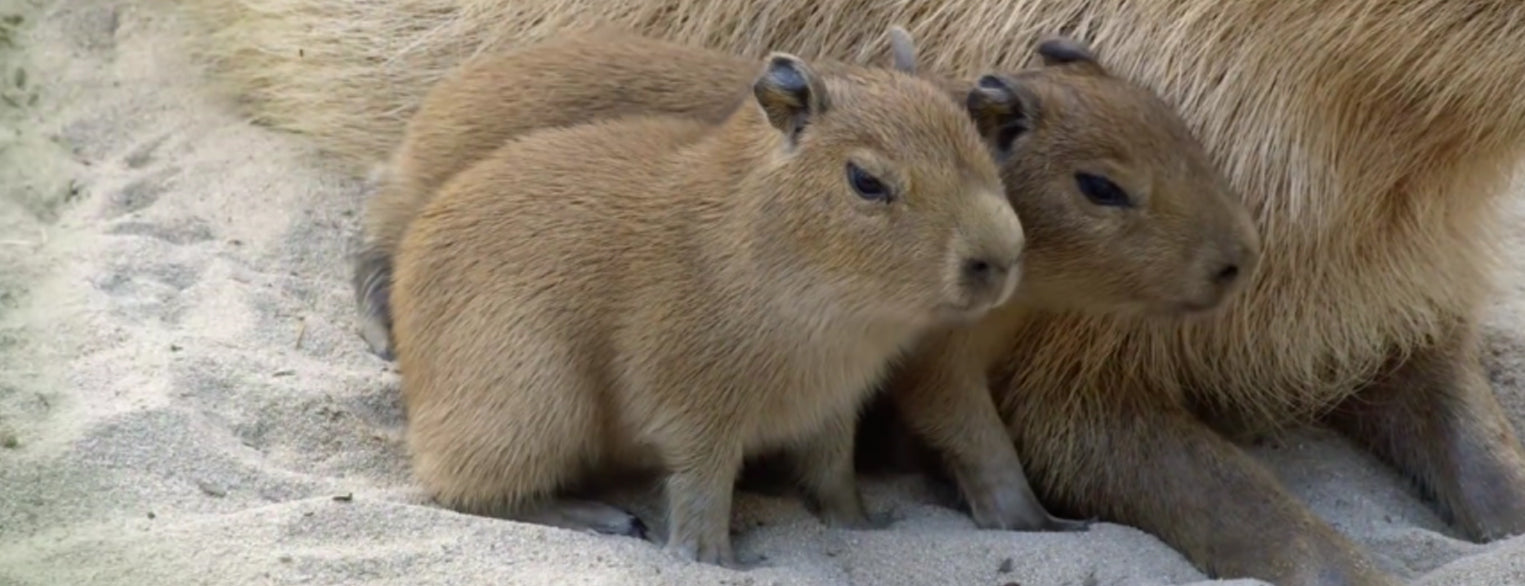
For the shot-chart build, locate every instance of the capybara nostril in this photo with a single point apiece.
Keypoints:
(1226, 275)
(977, 269)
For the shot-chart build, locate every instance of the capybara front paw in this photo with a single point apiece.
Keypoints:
(1014, 513)
(845, 515)
(859, 520)
(630, 526)
(1060, 524)
(716, 553)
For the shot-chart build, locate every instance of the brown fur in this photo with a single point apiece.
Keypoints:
(1372, 152)
(576, 78)
(1160, 254)
(663, 292)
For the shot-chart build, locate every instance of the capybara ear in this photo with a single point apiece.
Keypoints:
(902, 50)
(790, 93)
(1061, 50)
(1003, 109)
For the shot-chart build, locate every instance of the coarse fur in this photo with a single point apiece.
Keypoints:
(596, 75)
(1163, 250)
(1372, 153)
(660, 292)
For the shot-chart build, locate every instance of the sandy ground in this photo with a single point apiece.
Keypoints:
(183, 399)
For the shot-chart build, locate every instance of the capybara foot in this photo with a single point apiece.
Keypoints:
(842, 508)
(699, 507)
(1435, 417)
(1160, 469)
(717, 552)
(372, 281)
(824, 467)
(1062, 525)
(1016, 512)
(583, 515)
(999, 496)
(375, 336)
(862, 521)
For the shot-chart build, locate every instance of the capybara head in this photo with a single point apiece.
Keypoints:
(1122, 206)
(880, 187)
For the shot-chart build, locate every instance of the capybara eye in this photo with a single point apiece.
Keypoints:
(867, 186)
(1102, 191)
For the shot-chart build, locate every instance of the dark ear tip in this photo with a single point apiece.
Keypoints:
(991, 89)
(992, 82)
(779, 60)
(785, 71)
(1061, 49)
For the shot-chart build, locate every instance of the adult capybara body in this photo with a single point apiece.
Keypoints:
(1372, 140)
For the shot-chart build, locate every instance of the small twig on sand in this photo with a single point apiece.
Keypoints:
(301, 332)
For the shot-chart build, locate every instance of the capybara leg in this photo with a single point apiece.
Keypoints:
(824, 469)
(373, 288)
(1158, 468)
(954, 413)
(1435, 418)
(393, 202)
(699, 492)
(584, 515)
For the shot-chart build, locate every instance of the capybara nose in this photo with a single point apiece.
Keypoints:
(987, 275)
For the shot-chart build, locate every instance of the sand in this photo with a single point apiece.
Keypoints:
(184, 400)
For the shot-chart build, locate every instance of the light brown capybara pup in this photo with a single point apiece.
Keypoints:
(674, 294)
